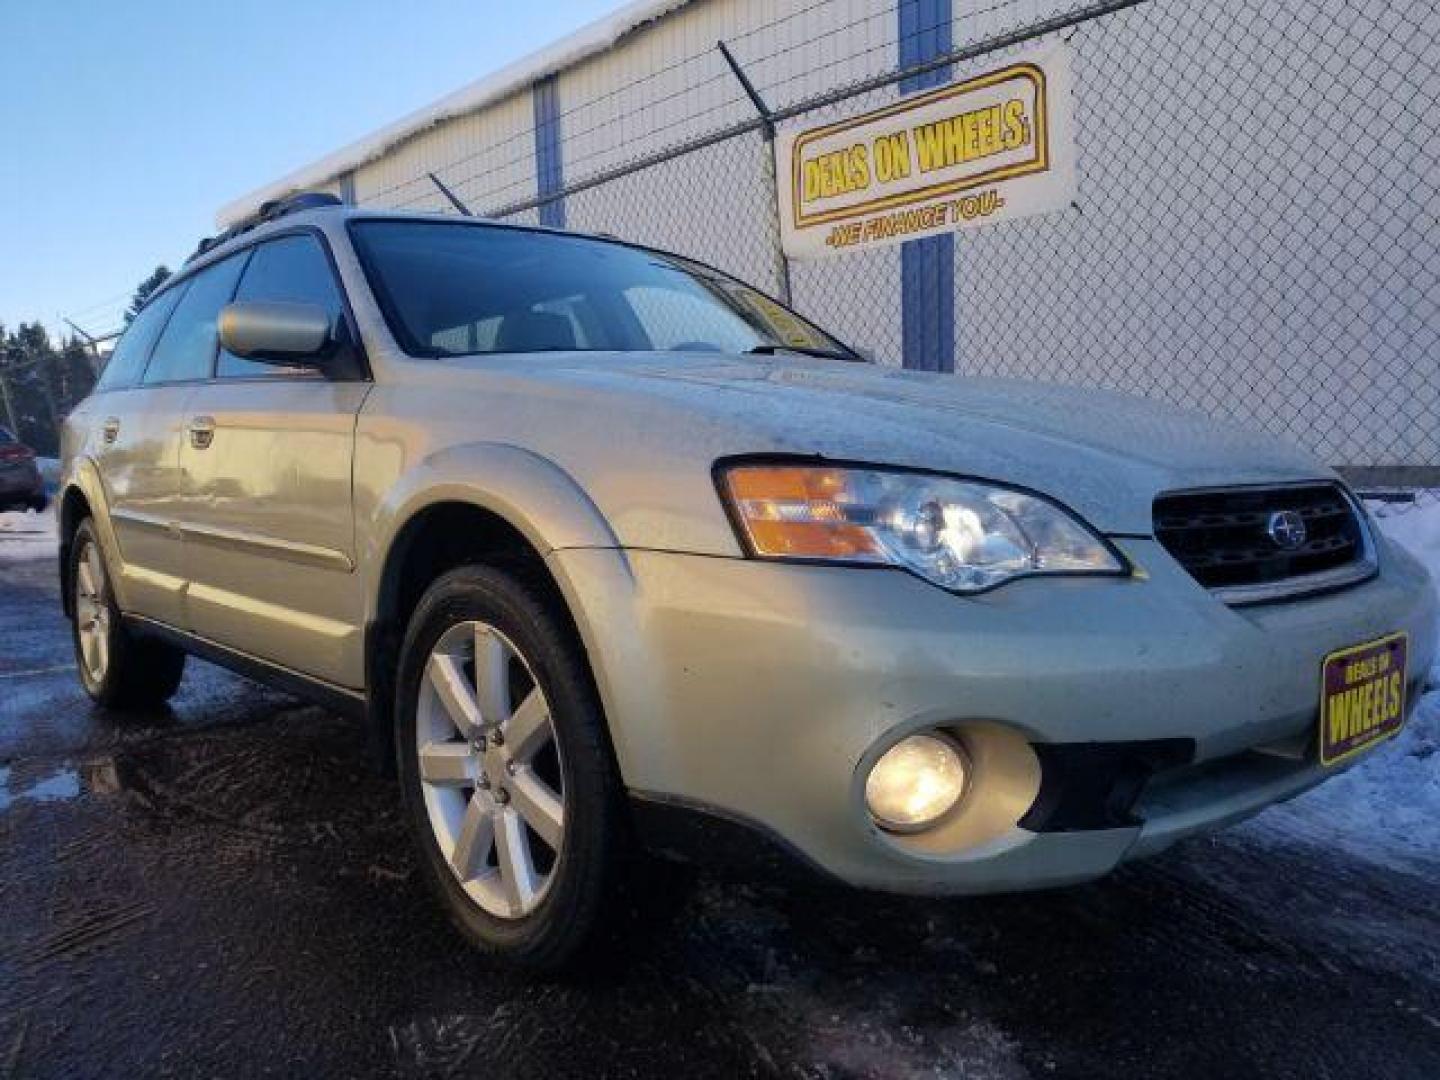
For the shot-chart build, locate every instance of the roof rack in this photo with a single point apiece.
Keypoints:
(269, 211)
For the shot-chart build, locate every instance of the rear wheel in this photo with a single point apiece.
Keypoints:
(118, 668)
(506, 774)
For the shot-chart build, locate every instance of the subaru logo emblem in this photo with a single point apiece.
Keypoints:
(1287, 529)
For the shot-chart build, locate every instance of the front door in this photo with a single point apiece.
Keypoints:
(267, 518)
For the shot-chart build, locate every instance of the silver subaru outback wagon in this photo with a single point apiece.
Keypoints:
(611, 550)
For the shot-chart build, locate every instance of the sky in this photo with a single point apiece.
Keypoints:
(125, 126)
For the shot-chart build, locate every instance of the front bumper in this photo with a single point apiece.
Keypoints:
(760, 692)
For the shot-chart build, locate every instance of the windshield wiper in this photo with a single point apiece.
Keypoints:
(806, 350)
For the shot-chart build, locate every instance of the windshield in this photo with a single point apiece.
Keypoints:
(456, 288)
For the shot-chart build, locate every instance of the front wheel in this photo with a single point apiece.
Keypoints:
(505, 770)
(117, 668)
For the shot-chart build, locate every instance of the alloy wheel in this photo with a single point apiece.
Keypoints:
(490, 769)
(92, 612)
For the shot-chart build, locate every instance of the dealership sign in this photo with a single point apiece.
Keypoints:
(992, 147)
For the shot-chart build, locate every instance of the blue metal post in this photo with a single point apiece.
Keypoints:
(927, 267)
(549, 171)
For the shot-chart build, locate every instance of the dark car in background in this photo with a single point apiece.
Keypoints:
(21, 486)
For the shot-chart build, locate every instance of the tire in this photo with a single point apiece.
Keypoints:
(118, 669)
(39, 503)
(473, 798)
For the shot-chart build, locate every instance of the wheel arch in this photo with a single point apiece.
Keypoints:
(82, 496)
(489, 503)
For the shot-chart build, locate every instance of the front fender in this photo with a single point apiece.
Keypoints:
(532, 493)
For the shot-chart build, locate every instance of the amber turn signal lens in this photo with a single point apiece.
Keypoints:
(797, 512)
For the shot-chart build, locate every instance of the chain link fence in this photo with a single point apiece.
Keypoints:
(1256, 232)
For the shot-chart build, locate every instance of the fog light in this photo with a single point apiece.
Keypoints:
(916, 783)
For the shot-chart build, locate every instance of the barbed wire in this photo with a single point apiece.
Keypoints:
(524, 137)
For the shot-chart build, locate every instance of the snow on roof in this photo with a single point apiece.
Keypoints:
(568, 51)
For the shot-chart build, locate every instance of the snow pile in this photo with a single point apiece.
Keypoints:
(28, 535)
(1387, 808)
(1417, 527)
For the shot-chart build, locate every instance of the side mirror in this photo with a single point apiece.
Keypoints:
(273, 332)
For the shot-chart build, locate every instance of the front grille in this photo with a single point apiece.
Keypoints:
(1224, 537)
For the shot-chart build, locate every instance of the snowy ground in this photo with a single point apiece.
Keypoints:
(27, 535)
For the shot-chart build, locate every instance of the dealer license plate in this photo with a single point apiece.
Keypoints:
(1362, 696)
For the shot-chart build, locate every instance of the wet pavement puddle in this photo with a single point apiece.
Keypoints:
(97, 777)
(64, 784)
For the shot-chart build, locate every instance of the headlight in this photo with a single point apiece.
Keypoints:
(963, 535)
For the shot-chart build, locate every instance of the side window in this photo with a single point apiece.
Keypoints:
(127, 360)
(673, 319)
(292, 269)
(187, 347)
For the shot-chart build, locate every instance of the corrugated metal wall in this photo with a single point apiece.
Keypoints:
(486, 156)
(1240, 242)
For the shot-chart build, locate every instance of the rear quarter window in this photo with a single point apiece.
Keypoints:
(131, 352)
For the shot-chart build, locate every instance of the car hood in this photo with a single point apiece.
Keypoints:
(608, 418)
(1104, 454)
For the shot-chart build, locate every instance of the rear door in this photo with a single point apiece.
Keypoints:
(268, 522)
(127, 454)
(140, 429)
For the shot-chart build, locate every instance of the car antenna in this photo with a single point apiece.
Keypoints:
(454, 199)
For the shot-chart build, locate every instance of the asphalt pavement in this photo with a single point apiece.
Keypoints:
(224, 888)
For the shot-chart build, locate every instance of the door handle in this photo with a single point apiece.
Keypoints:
(110, 430)
(202, 432)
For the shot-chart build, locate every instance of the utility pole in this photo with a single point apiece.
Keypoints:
(94, 344)
(9, 405)
(42, 372)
